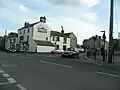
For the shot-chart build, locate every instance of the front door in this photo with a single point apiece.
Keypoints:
(64, 47)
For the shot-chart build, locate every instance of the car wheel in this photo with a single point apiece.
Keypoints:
(76, 56)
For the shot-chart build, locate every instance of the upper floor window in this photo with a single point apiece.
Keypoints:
(53, 38)
(65, 40)
(58, 38)
(27, 38)
(14, 40)
(21, 38)
(20, 31)
(28, 30)
(24, 31)
(46, 38)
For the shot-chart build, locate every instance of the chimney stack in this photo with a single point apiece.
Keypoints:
(43, 19)
(62, 31)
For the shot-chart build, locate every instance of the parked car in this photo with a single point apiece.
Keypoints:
(11, 50)
(72, 53)
(81, 50)
(59, 51)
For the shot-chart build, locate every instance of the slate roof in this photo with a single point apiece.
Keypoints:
(31, 25)
(44, 43)
(56, 33)
(67, 34)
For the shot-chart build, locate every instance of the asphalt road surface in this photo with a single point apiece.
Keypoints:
(19, 71)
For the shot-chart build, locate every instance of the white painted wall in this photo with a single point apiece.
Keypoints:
(39, 35)
(26, 33)
(30, 34)
(106, 44)
(60, 43)
(32, 46)
(7, 43)
(44, 48)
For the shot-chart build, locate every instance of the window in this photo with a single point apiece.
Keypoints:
(65, 40)
(53, 38)
(32, 31)
(27, 38)
(57, 47)
(27, 46)
(14, 40)
(46, 38)
(28, 30)
(24, 31)
(58, 38)
(21, 38)
(20, 31)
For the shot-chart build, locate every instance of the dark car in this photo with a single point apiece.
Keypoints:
(70, 53)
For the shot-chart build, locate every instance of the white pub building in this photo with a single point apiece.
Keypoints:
(38, 37)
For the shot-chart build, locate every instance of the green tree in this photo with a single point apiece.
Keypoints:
(115, 44)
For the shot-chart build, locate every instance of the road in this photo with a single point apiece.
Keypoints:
(20, 71)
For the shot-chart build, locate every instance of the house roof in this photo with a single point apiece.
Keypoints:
(56, 33)
(67, 33)
(31, 25)
(44, 43)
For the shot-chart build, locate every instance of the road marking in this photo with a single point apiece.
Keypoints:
(55, 64)
(21, 87)
(11, 80)
(1, 71)
(108, 74)
(25, 57)
(10, 65)
(5, 83)
(5, 75)
(89, 61)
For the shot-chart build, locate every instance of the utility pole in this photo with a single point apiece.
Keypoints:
(111, 31)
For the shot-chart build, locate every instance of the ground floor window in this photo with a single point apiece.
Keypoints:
(64, 47)
(57, 47)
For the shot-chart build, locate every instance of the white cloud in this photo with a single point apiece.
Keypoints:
(82, 29)
(72, 22)
(88, 3)
(90, 16)
(22, 8)
(2, 31)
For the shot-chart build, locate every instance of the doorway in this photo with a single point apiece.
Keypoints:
(64, 47)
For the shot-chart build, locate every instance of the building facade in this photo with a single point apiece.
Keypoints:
(60, 40)
(73, 39)
(11, 41)
(35, 37)
(89, 43)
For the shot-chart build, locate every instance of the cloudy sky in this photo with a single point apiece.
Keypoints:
(83, 17)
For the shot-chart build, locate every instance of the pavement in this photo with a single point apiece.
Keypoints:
(99, 59)
(19, 71)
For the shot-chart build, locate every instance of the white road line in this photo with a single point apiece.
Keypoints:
(5, 75)
(21, 87)
(11, 80)
(25, 57)
(92, 62)
(108, 74)
(55, 64)
(10, 65)
(5, 83)
(1, 71)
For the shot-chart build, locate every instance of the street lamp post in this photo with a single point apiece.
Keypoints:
(94, 38)
(104, 38)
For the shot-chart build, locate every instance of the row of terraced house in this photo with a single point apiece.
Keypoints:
(39, 37)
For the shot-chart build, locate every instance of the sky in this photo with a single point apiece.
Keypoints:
(83, 17)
